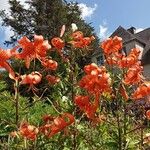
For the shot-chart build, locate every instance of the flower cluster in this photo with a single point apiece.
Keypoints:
(96, 81)
(54, 125)
(50, 127)
(30, 50)
(79, 41)
(132, 66)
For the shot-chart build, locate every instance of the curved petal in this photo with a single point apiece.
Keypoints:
(9, 69)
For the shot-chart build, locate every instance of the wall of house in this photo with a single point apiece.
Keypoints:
(147, 71)
(141, 48)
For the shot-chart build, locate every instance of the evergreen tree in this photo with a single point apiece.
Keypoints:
(43, 17)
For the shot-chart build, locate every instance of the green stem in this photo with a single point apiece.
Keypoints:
(16, 99)
(125, 125)
(119, 133)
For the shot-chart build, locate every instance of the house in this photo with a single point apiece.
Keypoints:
(132, 39)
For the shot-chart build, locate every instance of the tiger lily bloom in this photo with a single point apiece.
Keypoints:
(112, 45)
(5, 55)
(134, 74)
(131, 59)
(32, 49)
(97, 80)
(89, 108)
(148, 114)
(59, 124)
(31, 79)
(52, 79)
(28, 131)
(77, 35)
(82, 43)
(59, 44)
(49, 64)
(142, 91)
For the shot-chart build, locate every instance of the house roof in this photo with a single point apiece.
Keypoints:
(123, 33)
(127, 36)
(142, 37)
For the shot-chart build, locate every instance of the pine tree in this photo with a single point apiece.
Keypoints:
(42, 17)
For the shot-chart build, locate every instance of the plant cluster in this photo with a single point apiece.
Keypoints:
(99, 107)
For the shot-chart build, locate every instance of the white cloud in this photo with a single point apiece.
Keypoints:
(139, 30)
(86, 11)
(8, 33)
(5, 5)
(103, 31)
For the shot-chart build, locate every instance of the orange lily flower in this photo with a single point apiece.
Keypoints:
(112, 45)
(82, 43)
(31, 79)
(52, 79)
(142, 91)
(96, 81)
(49, 64)
(47, 118)
(59, 44)
(28, 131)
(5, 55)
(83, 102)
(32, 49)
(58, 125)
(130, 60)
(148, 114)
(112, 60)
(93, 69)
(79, 41)
(134, 74)
(78, 35)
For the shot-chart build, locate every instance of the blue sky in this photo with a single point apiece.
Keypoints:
(105, 15)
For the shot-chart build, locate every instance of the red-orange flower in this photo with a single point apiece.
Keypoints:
(83, 102)
(59, 44)
(134, 74)
(49, 64)
(83, 42)
(97, 79)
(52, 79)
(112, 45)
(131, 59)
(5, 55)
(93, 69)
(79, 41)
(148, 114)
(28, 131)
(33, 78)
(32, 49)
(58, 124)
(142, 91)
(47, 118)
(78, 35)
